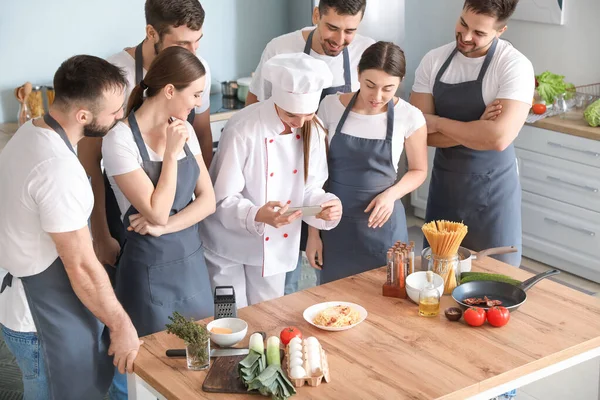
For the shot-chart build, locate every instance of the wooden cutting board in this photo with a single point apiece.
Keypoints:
(223, 376)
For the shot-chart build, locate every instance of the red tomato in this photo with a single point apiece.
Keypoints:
(289, 333)
(474, 316)
(498, 316)
(539, 108)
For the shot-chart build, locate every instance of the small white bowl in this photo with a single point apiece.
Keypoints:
(415, 282)
(238, 327)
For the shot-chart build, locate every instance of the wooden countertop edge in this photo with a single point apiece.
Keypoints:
(578, 128)
(169, 375)
(523, 370)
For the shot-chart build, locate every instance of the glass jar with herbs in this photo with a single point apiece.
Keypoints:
(196, 338)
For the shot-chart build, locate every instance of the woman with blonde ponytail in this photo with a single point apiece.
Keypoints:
(156, 170)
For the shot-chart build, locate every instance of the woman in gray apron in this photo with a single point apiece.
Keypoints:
(113, 214)
(66, 329)
(158, 274)
(291, 281)
(479, 188)
(362, 169)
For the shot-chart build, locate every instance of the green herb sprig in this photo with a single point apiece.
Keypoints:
(194, 335)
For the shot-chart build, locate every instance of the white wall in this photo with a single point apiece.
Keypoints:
(37, 35)
(572, 49)
(428, 24)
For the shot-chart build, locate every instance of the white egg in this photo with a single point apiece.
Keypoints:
(295, 362)
(296, 340)
(294, 347)
(311, 340)
(315, 366)
(314, 354)
(296, 354)
(311, 346)
(297, 372)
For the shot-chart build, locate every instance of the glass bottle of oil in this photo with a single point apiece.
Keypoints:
(429, 298)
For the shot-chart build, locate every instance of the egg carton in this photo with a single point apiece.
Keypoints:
(312, 380)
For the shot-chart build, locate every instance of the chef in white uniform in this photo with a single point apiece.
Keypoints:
(271, 156)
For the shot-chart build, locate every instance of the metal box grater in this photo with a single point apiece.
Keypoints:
(225, 302)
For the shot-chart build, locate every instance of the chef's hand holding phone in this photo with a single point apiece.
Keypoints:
(332, 210)
(177, 135)
(275, 213)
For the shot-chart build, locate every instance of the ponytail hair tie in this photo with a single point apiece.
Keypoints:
(143, 85)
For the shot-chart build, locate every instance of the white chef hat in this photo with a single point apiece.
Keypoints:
(297, 80)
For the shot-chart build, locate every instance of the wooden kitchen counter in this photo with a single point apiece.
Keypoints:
(571, 127)
(395, 354)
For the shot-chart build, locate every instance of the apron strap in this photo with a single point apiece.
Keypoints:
(187, 151)
(137, 136)
(340, 124)
(139, 63)
(488, 60)
(139, 141)
(345, 55)
(52, 123)
(6, 282)
(445, 66)
(308, 44)
(390, 120)
(347, 75)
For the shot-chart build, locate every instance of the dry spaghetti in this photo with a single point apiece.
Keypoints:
(444, 238)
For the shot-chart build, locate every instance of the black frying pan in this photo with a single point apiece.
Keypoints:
(511, 296)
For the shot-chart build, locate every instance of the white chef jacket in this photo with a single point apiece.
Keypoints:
(256, 164)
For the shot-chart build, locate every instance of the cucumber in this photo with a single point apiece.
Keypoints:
(482, 276)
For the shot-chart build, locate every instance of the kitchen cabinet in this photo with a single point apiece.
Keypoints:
(418, 197)
(216, 128)
(560, 180)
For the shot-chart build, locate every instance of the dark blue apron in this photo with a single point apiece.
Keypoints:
(345, 88)
(479, 188)
(359, 170)
(74, 342)
(159, 275)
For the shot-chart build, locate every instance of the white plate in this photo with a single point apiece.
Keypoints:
(311, 313)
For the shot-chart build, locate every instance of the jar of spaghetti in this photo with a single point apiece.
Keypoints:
(447, 268)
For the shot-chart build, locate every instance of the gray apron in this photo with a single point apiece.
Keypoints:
(359, 170)
(345, 88)
(479, 188)
(75, 343)
(159, 275)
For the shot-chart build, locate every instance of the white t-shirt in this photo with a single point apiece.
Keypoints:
(407, 119)
(121, 155)
(125, 61)
(509, 76)
(294, 43)
(44, 189)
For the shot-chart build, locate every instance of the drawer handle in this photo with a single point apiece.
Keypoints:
(558, 180)
(562, 146)
(584, 231)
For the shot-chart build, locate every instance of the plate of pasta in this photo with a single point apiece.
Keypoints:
(335, 315)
